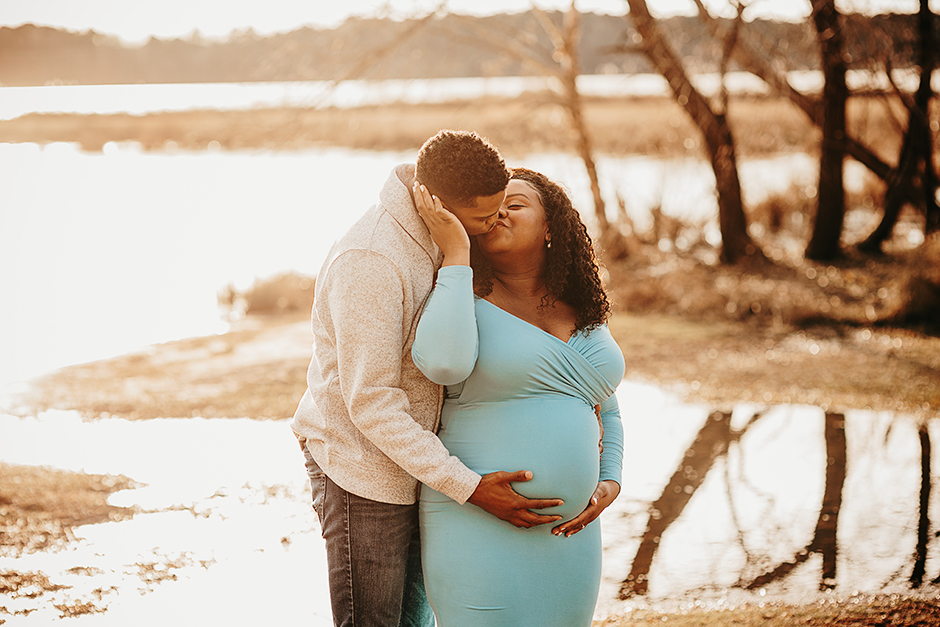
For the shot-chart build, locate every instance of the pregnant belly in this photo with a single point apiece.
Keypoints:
(555, 438)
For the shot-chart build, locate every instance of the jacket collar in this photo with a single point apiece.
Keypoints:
(397, 200)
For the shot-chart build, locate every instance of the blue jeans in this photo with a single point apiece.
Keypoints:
(373, 553)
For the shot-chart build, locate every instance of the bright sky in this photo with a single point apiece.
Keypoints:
(137, 20)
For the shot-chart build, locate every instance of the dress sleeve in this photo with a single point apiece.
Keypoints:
(446, 343)
(612, 457)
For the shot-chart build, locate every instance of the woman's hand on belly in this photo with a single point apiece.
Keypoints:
(603, 496)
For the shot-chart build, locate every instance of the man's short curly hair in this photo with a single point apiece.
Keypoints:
(572, 273)
(459, 166)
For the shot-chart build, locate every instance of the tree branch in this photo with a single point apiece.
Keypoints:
(757, 62)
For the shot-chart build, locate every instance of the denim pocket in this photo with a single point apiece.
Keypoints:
(317, 480)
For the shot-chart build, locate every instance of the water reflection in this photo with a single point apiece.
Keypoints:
(783, 502)
(758, 503)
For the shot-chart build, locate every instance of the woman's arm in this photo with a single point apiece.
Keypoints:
(612, 456)
(446, 342)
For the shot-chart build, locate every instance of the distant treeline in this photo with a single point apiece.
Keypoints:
(441, 47)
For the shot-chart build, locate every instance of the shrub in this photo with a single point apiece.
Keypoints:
(282, 293)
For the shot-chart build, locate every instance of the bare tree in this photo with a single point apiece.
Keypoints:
(759, 61)
(736, 243)
(915, 159)
(830, 209)
(565, 39)
(915, 170)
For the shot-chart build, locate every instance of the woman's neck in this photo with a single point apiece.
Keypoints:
(520, 285)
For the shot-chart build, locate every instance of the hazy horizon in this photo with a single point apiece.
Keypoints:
(218, 19)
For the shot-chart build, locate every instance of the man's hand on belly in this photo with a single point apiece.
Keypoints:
(496, 496)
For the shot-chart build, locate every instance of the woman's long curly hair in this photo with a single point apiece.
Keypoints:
(572, 274)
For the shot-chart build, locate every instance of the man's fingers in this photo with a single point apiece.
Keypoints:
(542, 503)
(538, 503)
(519, 475)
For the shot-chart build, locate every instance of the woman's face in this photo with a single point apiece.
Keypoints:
(523, 228)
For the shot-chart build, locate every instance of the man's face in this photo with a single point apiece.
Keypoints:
(480, 217)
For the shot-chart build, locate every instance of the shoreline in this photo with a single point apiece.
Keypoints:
(531, 123)
(257, 369)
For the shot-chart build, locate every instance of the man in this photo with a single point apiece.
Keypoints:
(368, 419)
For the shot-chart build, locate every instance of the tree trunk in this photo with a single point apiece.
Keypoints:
(570, 69)
(830, 210)
(897, 192)
(928, 63)
(736, 243)
(915, 162)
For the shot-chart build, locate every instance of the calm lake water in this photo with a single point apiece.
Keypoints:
(15, 101)
(147, 98)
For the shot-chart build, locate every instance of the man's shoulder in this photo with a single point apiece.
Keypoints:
(377, 231)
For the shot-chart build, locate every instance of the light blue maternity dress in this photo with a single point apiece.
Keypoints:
(517, 398)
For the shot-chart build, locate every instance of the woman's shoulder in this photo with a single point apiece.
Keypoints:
(599, 333)
(595, 342)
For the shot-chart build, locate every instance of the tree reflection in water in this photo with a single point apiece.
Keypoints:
(713, 442)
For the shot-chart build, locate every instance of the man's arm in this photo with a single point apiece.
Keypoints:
(365, 295)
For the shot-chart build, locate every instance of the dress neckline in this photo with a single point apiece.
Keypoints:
(526, 322)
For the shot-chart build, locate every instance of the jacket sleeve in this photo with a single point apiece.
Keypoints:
(365, 295)
(446, 343)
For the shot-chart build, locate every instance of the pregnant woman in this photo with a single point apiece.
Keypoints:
(521, 343)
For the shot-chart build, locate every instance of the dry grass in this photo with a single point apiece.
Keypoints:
(531, 123)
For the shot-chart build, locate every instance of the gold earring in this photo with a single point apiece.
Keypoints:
(549, 244)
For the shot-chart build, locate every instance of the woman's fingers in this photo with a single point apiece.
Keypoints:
(575, 525)
(446, 230)
(423, 201)
(430, 206)
(582, 520)
(604, 495)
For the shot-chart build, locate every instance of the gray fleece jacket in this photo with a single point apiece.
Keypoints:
(369, 416)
